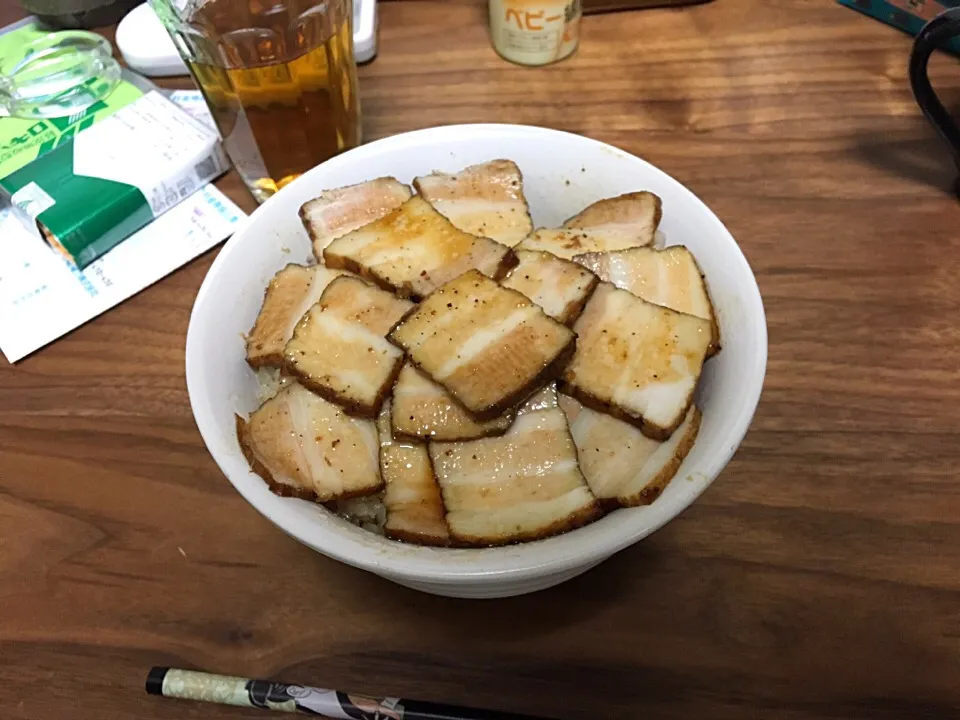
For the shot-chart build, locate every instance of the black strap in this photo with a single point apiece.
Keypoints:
(934, 35)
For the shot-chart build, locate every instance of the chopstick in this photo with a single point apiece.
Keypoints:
(267, 695)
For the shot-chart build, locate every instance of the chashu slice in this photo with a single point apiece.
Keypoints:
(415, 511)
(560, 287)
(632, 217)
(489, 346)
(523, 485)
(567, 243)
(424, 410)
(339, 349)
(668, 277)
(341, 210)
(637, 361)
(622, 465)
(289, 295)
(414, 250)
(306, 447)
(485, 200)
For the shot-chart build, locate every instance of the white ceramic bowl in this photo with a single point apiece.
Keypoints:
(562, 173)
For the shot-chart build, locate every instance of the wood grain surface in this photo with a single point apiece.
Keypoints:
(818, 578)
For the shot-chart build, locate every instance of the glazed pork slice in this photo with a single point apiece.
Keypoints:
(424, 410)
(339, 349)
(632, 217)
(668, 277)
(415, 511)
(567, 243)
(523, 485)
(341, 210)
(637, 361)
(289, 295)
(414, 250)
(622, 465)
(560, 287)
(485, 200)
(306, 447)
(488, 346)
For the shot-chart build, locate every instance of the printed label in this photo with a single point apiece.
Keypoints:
(192, 103)
(153, 146)
(42, 296)
(535, 32)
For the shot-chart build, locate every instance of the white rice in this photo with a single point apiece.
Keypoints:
(271, 382)
(368, 512)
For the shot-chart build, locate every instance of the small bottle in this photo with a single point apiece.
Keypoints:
(535, 32)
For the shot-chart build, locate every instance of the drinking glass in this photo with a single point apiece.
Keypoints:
(279, 77)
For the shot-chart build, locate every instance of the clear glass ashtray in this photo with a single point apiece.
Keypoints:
(59, 74)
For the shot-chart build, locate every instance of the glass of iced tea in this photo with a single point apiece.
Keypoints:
(279, 78)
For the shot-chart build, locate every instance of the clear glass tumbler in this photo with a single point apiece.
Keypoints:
(279, 77)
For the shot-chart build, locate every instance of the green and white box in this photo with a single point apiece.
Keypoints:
(91, 193)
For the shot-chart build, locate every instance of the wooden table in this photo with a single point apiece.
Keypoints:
(818, 578)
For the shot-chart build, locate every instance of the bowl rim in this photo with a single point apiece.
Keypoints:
(540, 558)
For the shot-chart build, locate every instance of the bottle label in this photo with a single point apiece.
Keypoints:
(535, 32)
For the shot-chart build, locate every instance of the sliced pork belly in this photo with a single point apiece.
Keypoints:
(424, 410)
(339, 348)
(566, 243)
(485, 200)
(632, 217)
(636, 360)
(415, 511)
(560, 287)
(622, 465)
(668, 277)
(414, 250)
(289, 295)
(306, 447)
(336, 212)
(489, 346)
(523, 485)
